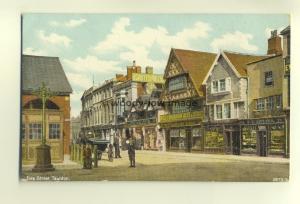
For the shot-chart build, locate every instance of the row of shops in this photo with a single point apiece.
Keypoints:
(262, 137)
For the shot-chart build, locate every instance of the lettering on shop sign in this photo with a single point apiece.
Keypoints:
(181, 116)
(263, 121)
(150, 78)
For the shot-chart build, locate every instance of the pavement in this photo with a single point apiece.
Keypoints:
(172, 166)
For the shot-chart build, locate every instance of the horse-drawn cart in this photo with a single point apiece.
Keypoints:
(101, 144)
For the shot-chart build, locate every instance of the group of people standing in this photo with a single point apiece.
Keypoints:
(87, 152)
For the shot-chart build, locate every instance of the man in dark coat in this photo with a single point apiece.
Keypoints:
(117, 147)
(131, 151)
(88, 157)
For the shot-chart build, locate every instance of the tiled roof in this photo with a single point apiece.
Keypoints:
(39, 69)
(196, 63)
(240, 61)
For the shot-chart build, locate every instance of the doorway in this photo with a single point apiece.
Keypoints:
(236, 143)
(262, 143)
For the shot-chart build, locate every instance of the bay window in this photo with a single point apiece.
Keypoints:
(227, 113)
(177, 83)
(219, 111)
(221, 85)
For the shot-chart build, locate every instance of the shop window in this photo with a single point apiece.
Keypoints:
(248, 140)
(219, 111)
(196, 138)
(54, 131)
(177, 137)
(35, 131)
(214, 139)
(177, 83)
(277, 145)
(227, 112)
(269, 78)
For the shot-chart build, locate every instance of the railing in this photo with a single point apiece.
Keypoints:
(182, 116)
(77, 153)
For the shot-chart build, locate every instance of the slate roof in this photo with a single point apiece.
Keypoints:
(196, 63)
(38, 69)
(240, 60)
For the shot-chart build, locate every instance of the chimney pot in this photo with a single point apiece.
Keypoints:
(133, 63)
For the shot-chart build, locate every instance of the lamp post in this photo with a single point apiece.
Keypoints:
(43, 156)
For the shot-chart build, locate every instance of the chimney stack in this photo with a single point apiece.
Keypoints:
(133, 63)
(129, 73)
(274, 44)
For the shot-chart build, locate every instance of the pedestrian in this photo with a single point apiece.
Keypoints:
(131, 151)
(88, 157)
(110, 152)
(84, 158)
(95, 153)
(117, 147)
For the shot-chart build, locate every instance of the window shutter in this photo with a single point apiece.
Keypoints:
(228, 84)
(211, 87)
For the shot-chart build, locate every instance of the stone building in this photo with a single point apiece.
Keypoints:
(266, 132)
(97, 113)
(184, 99)
(143, 115)
(129, 89)
(226, 101)
(35, 71)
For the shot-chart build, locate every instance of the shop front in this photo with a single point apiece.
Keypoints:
(222, 137)
(264, 137)
(183, 131)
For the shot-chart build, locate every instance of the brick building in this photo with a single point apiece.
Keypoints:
(35, 71)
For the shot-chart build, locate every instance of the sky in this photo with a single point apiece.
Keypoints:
(98, 46)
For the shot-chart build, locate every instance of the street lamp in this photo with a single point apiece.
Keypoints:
(43, 156)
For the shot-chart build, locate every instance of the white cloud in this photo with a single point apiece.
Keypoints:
(140, 55)
(75, 103)
(32, 51)
(135, 45)
(54, 38)
(54, 23)
(120, 37)
(79, 80)
(92, 64)
(74, 23)
(70, 24)
(236, 41)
